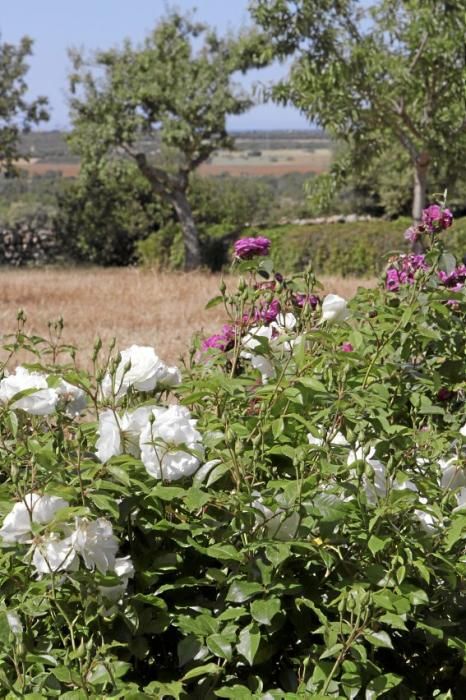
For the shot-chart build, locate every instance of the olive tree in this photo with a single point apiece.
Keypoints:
(17, 113)
(171, 94)
(376, 74)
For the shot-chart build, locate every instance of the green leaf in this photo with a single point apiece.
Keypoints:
(263, 611)
(376, 544)
(378, 639)
(219, 646)
(382, 684)
(205, 670)
(215, 301)
(249, 640)
(224, 552)
(240, 591)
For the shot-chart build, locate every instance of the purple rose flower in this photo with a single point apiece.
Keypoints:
(301, 300)
(247, 248)
(392, 282)
(267, 312)
(412, 234)
(445, 394)
(220, 341)
(437, 219)
(455, 280)
(346, 347)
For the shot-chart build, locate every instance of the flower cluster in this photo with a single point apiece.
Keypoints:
(435, 219)
(165, 439)
(56, 545)
(403, 269)
(221, 341)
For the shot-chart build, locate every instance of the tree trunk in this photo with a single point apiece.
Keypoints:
(421, 166)
(184, 214)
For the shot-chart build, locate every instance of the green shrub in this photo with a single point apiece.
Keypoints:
(361, 248)
(103, 215)
(288, 523)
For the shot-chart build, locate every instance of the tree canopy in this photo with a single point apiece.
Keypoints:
(375, 74)
(17, 113)
(179, 86)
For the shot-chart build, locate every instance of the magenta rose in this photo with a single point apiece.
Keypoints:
(247, 248)
(436, 219)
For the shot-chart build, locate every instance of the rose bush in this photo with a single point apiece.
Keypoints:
(287, 522)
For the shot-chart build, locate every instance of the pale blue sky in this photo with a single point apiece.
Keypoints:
(56, 25)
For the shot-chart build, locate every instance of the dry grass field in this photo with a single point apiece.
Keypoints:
(134, 305)
(238, 163)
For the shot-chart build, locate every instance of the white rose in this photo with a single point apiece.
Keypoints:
(124, 569)
(334, 309)
(461, 498)
(34, 508)
(72, 397)
(145, 372)
(277, 526)
(95, 542)
(120, 434)
(159, 442)
(41, 402)
(14, 623)
(453, 475)
(253, 340)
(380, 485)
(338, 440)
(52, 553)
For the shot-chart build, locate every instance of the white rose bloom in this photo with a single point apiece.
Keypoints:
(34, 508)
(14, 623)
(338, 440)
(52, 554)
(41, 402)
(125, 570)
(73, 397)
(285, 322)
(145, 373)
(461, 498)
(120, 434)
(95, 542)
(463, 430)
(172, 427)
(277, 526)
(381, 484)
(265, 367)
(168, 377)
(453, 475)
(334, 309)
(252, 341)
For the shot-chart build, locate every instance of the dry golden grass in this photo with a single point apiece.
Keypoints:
(134, 305)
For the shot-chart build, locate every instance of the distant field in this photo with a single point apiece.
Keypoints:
(270, 161)
(134, 305)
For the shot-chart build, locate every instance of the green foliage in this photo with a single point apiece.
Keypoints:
(376, 76)
(16, 112)
(167, 86)
(360, 249)
(102, 217)
(307, 539)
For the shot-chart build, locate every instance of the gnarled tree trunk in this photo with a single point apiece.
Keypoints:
(421, 167)
(192, 248)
